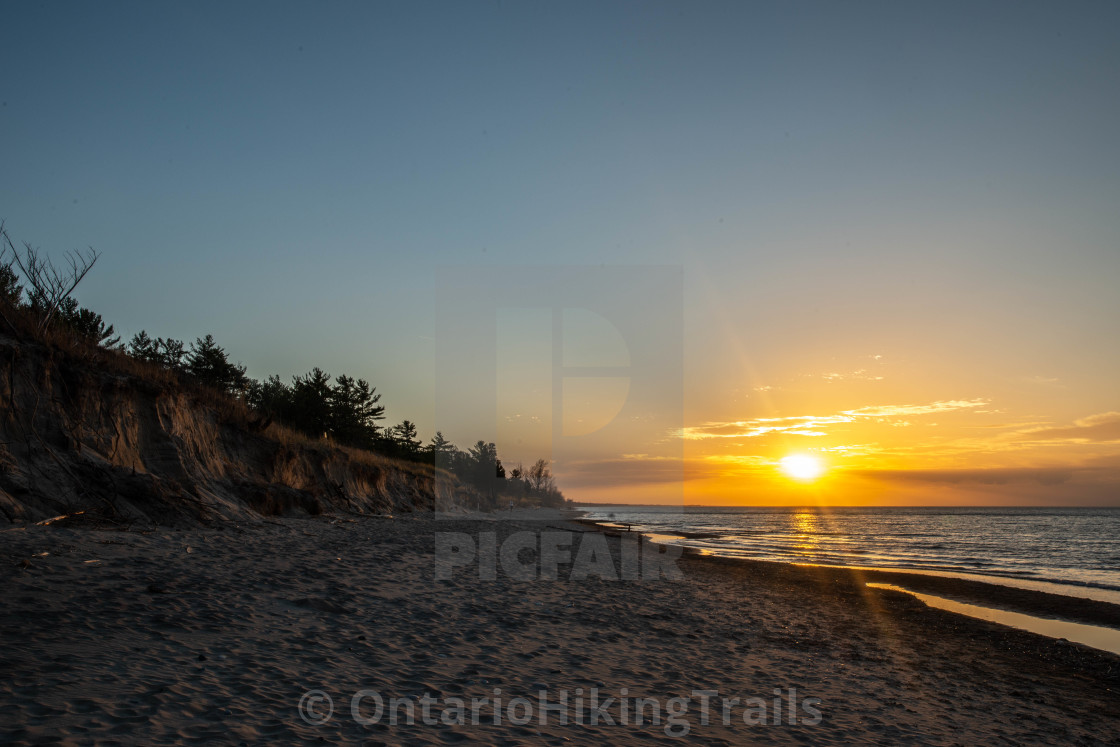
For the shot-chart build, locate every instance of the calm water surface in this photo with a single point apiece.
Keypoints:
(1077, 548)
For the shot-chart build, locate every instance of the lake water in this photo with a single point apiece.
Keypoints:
(1077, 549)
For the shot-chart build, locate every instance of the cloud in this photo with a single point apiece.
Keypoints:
(861, 374)
(1005, 426)
(628, 469)
(761, 426)
(1040, 486)
(812, 425)
(1100, 428)
(853, 449)
(892, 411)
(741, 460)
(996, 476)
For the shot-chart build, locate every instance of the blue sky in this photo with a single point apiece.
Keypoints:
(837, 180)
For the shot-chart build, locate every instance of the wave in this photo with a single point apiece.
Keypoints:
(1069, 547)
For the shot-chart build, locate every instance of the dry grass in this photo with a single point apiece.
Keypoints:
(65, 348)
(22, 325)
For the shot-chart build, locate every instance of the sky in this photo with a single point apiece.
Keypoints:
(893, 226)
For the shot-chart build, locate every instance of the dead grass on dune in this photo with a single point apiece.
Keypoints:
(61, 347)
(290, 437)
(65, 347)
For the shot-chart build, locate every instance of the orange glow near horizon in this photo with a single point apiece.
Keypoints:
(805, 449)
(907, 426)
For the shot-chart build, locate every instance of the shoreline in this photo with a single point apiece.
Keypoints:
(1041, 604)
(184, 636)
(983, 589)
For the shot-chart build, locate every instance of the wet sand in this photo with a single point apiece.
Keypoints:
(217, 635)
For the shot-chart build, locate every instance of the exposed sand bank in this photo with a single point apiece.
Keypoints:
(96, 431)
(216, 635)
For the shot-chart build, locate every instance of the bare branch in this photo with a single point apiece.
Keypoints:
(50, 287)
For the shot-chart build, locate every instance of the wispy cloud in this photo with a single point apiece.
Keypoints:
(1007, 476)
(742, 460)
(1040, 486)
(894, 411)
(862, 374)
(815, 425)
(762, 426)
(1103, 427)
(852, 449)
(1042, 380)
(1009, 426)
(626, 469)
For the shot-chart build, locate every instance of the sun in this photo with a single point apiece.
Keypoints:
(802, 467)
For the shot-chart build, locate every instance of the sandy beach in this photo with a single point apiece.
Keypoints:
(239, 635)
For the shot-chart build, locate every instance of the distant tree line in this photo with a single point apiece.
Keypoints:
(346, 410)
(481, 467)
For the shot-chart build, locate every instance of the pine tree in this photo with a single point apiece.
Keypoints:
(311, 403)
(86, 324)
(484, 466)
(355, 412)
(271, 397)
(207, 361)
(171, 353)
(144, 348)
(405, 437)
(441, 450)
